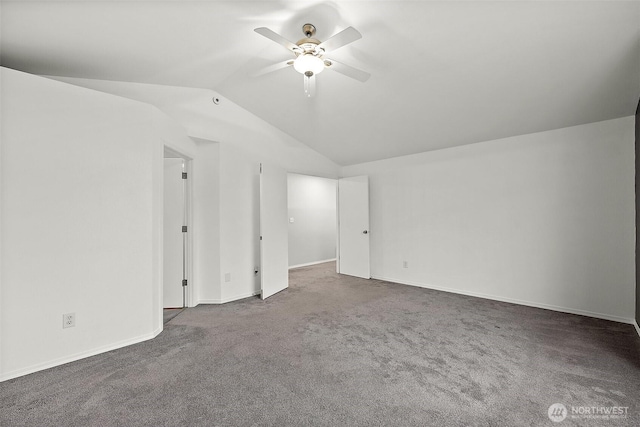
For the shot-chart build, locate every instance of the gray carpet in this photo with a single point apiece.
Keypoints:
(335, 350)
(170, 313)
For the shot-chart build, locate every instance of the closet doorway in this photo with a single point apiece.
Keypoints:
(175, 283)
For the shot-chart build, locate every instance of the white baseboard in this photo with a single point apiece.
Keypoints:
(229, 299)
(514, 301)
(311, 263)
(635, 323)
(63, 360)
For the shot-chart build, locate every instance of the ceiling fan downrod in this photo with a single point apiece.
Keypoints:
(309, 30)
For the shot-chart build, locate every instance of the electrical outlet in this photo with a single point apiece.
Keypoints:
(68, 320)
(227, 277)
(405, 264)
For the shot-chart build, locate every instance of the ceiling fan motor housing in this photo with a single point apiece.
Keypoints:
(309, 46)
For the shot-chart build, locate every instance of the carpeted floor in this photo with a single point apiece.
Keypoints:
(340, 351)
(170, 313)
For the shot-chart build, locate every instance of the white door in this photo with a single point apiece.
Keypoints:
(274, 241)
(353, 226)
(172, 237)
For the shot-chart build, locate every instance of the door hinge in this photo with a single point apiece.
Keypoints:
(184, 282)
(184, 228)
(184, 175)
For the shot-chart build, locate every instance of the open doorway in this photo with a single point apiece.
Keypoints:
(176, 259)
(312, 220)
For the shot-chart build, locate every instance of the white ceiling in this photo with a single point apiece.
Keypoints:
(443, 73)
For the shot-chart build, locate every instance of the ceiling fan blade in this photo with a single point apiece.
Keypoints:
(347, 70)
(310, 85)
(264, 31)
(344, 37)
(274, 67)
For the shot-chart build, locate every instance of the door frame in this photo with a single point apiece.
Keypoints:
(337, 218)
(170, 152)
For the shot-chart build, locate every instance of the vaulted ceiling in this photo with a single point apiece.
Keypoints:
(443, 73)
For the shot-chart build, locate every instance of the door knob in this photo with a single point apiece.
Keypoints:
(365, 232)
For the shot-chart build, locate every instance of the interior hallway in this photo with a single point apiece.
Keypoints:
(337, 350)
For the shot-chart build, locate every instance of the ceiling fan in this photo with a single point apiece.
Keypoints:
(310, 55)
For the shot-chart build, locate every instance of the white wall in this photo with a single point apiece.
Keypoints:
(240, 218)
(545, 219)
(81, 230)
(239, 223)
(206, 227)
(243, 142)
(92, 163)
(312, 205)
(226, 122)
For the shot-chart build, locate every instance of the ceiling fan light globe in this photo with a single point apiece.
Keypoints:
(308, 62)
